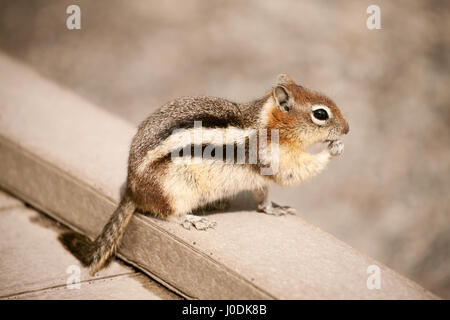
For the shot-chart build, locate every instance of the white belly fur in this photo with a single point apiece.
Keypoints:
(192, 185)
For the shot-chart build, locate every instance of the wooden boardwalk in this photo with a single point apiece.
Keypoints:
(34, 265)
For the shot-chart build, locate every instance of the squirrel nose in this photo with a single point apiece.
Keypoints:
(346, 128)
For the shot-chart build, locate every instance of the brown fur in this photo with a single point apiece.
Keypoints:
(109, 239)
(289, 123)
(146, 191)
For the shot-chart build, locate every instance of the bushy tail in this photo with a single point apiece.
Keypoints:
(97, 253)
(108, 241)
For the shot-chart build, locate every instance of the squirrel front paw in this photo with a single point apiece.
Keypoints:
(336, 148)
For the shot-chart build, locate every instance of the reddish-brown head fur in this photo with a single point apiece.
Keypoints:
(291, 111)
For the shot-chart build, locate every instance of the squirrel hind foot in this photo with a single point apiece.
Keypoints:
(276, 210)
(199, 223)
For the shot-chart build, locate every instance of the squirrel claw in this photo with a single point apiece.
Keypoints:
(276, 210)
(198, 223)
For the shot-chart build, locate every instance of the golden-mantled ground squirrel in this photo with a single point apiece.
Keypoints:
(270, 134)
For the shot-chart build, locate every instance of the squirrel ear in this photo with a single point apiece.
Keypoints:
(281, 95)
(284, 79)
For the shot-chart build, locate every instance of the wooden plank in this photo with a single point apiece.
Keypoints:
(32, 257)
(34, 264)
(125, 287)
(68, 158)
(7, 201)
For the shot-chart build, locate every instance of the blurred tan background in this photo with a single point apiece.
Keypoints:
(388, 196)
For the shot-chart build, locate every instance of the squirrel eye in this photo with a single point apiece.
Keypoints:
(320, 114)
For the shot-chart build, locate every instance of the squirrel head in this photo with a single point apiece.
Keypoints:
(302, 116)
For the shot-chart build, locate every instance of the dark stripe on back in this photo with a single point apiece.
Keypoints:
(208, 121)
